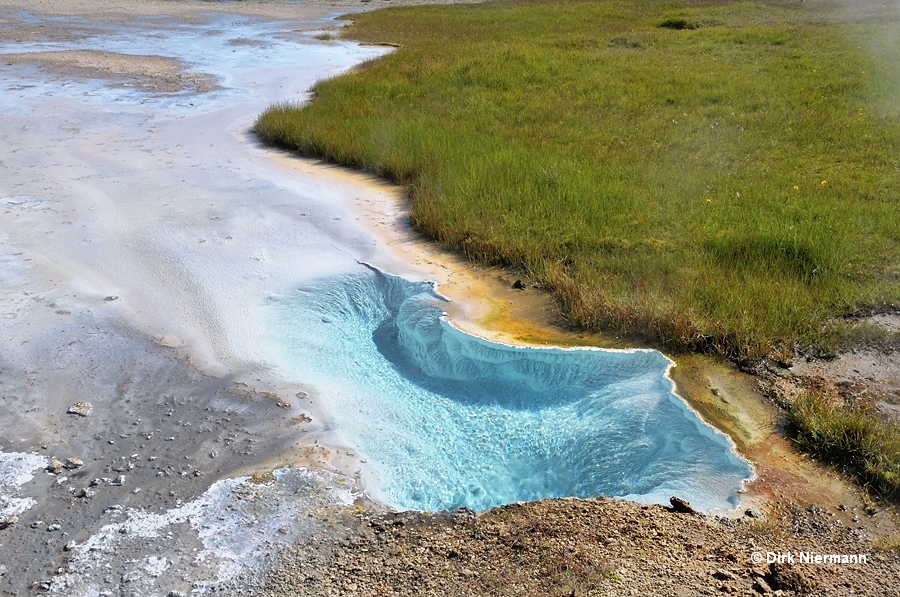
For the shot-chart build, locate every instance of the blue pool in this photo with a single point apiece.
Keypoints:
(447, 419)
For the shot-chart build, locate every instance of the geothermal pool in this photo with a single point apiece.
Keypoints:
(451, 420)
(156, 211)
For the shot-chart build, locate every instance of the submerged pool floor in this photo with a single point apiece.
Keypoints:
(447, 419)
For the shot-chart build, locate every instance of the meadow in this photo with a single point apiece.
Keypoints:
(715, 176)
(711, 176)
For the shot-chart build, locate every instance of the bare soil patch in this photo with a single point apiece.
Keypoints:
(156, 73)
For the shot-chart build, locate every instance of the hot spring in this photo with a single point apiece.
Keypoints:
(446, 419)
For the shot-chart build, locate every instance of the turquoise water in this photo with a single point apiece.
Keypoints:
(447, 419)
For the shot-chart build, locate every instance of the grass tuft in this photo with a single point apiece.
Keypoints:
(678, 23)
(850, 437)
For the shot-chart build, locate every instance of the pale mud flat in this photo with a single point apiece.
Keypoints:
(142, 230)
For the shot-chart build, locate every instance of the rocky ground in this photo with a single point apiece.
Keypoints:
(586, 547)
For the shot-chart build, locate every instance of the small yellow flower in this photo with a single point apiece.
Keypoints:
(796, 188)
(823, 183)
(708, 199)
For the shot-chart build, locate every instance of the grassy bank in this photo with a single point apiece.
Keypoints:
(713, 176)
(859, 441)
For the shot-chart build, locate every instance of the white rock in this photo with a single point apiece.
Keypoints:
(80, 408)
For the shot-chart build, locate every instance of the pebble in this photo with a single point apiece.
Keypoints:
(80, 408)
(55, 467)
(73, 463)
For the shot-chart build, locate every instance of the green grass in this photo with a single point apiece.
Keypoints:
(851, 437)
(713, 176)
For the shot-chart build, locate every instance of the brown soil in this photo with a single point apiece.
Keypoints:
(583, 547)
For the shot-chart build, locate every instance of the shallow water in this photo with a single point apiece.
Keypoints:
(450, 420)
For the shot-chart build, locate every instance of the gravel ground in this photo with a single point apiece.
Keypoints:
(585, 547)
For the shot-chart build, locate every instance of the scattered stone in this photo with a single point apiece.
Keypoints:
(751, 513)
(2, 570)
(118, 481)
(73, 463)
(85, 493)
(111, 298)
(721, 574)
(95, 482)
(53, 527)
(761, 586)
(681, 506)
(80, 408)
(55, 467)
(37, 524)
(70, 546)
(8, 521)
(518, 285)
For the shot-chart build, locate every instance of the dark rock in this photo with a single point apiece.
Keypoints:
(790, 578)
(518, 285)
(681, 506)
(8, 521)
